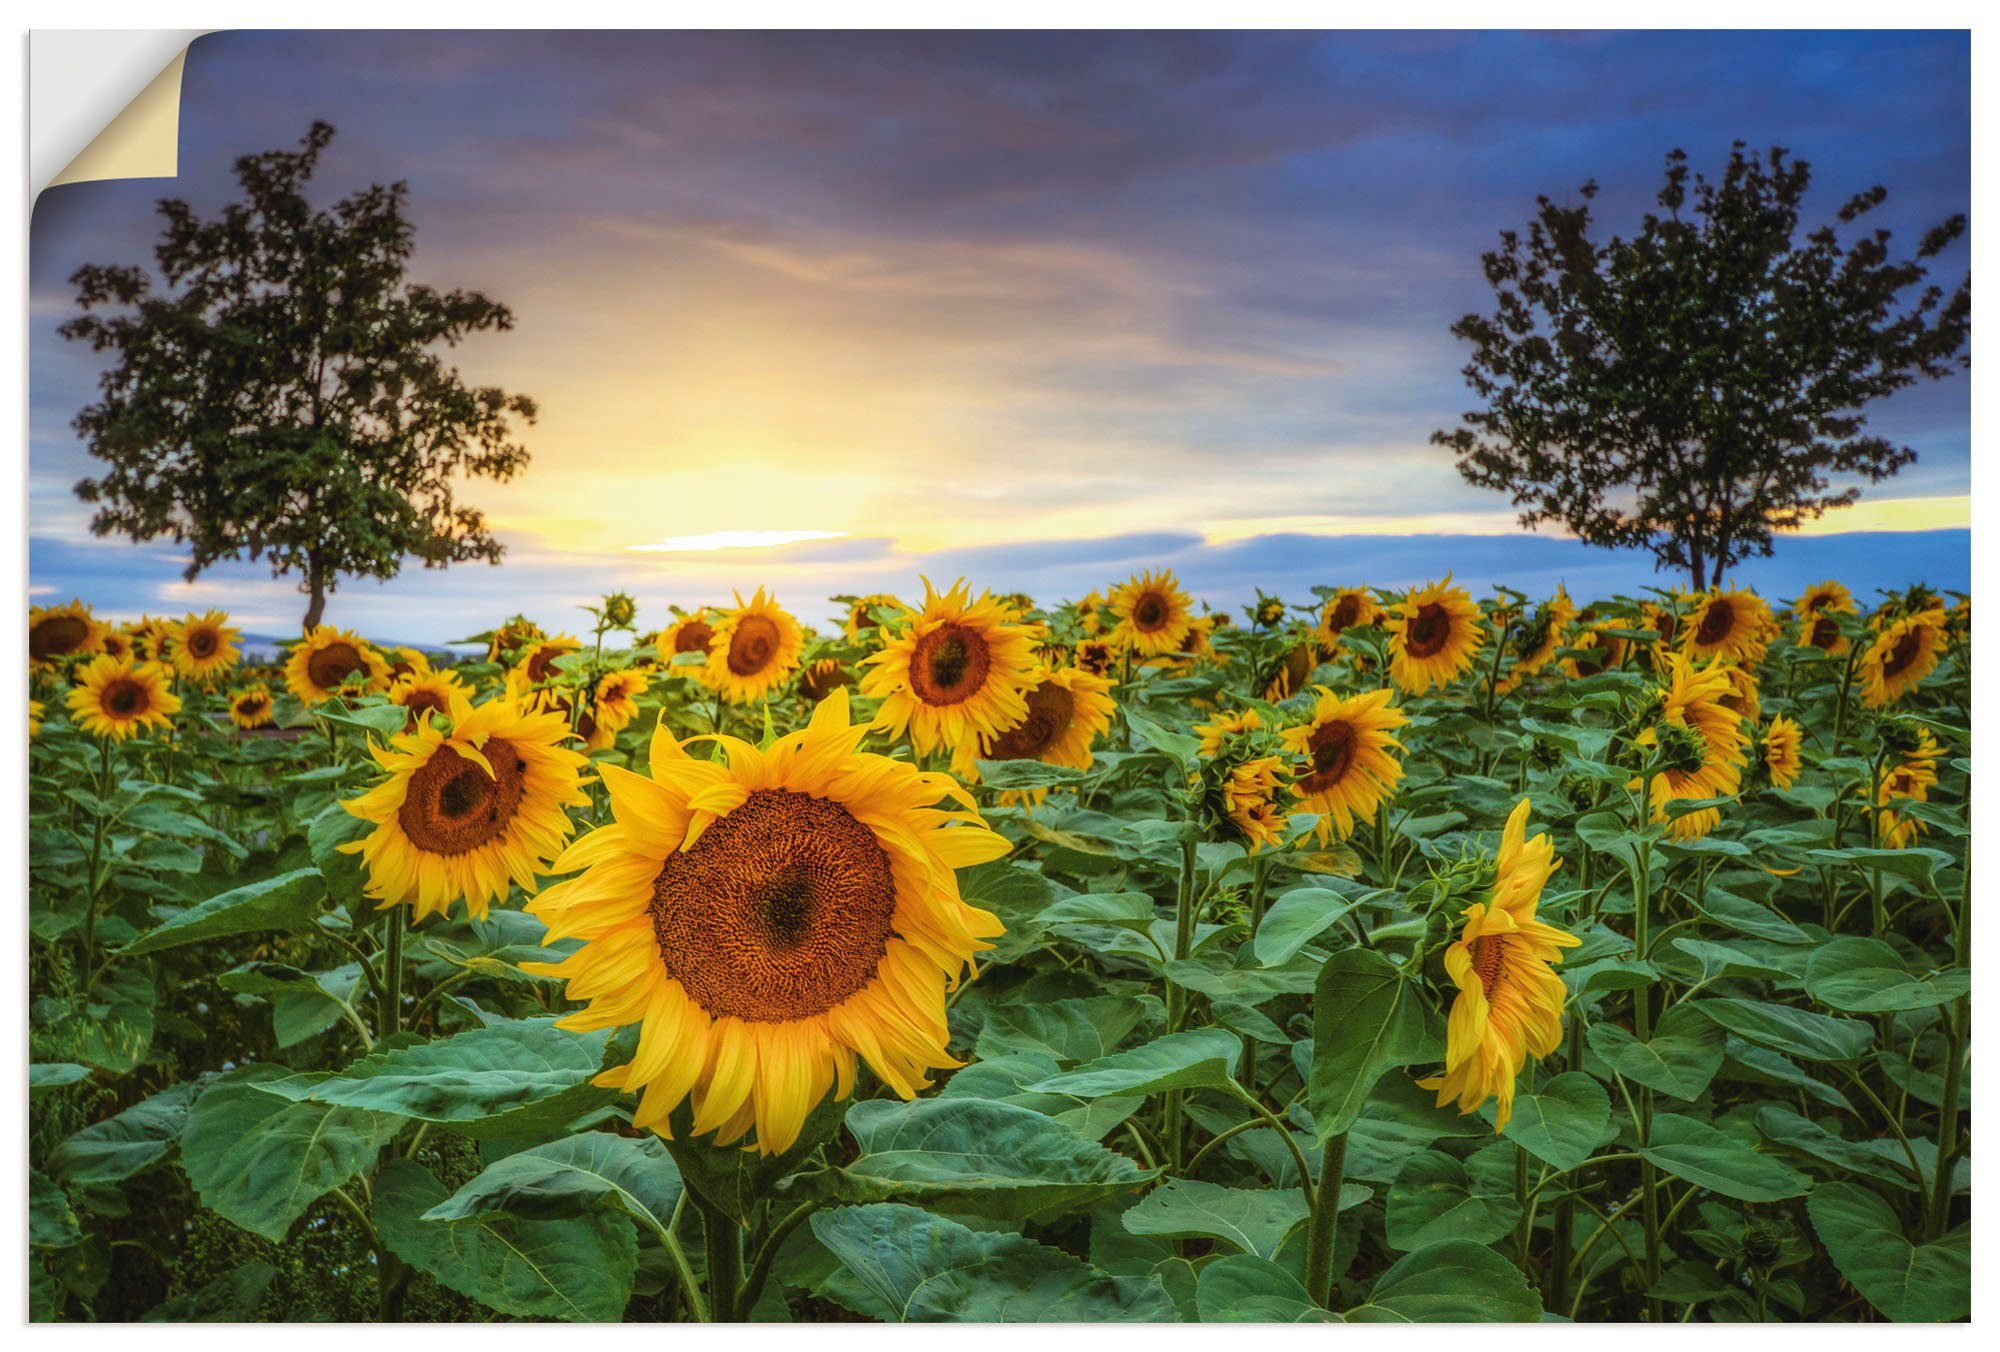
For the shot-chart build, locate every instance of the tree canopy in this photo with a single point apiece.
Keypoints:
(280, 392)
(1700, 385)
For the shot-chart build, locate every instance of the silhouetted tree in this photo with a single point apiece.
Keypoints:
(282, 396)
(1696, 387)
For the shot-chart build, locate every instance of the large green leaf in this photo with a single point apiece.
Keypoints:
(46, 1076)
(110, 1028)
(1069, 1030)
(739, 1181)
(1907, 1282)
(1251, 1220)
(1867, 976)
(260, 1161)
(1883, 1161)
(1699, 1154)
(590, 1171)
(1299, 917)
(231, 1298)
(133, 1141)
(579, 1267)
(52, 1219)
(1799, 1032)
(1239, 1288)
(1367, 1020)
(1198, 1059)
(290, 901)
(1457, 1281)
(925, 1267)
(1436, 1197)
(1562, 1121)
(1679, 1059)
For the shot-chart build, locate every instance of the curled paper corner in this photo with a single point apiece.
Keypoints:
(143, 141)
(105, 103)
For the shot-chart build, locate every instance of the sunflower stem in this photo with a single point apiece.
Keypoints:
(1177, 996)
(724, 1241)
(1325, 1221)
(391, 1021)
(1939, 1211)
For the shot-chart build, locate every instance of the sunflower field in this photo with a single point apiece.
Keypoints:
(1364, 955)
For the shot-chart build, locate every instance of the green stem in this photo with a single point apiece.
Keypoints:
(1325, 1220)
(1954, 1065)
(725, 1261)
(670, 1240)
(767, 1253)
(1177, 1000)
(391, 1020)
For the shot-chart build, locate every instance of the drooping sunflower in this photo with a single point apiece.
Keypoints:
(1348, 763)
(250, 707)
(1348, 608)
(1434, 634)
(1250, 794)
(1268, 611)
(1224, 726)
(754, 648)
(324, 659)
(768, 920)
(613, 706)
(1535, 641)
(1905, 652)
(57, 632)
(1742, 696)
(204, 646)
(116, 698)
(822, 678)
(1510, 1000)
(1067, 711)
(1703, 738)
(1815, 609)
(1611, 650)
(1734, 625)
(517, 632)
(1781, 746)
(1151, 614)
(1909, 778)
(957, 672)
(430, 691)
(1289, 671)
(465, 813)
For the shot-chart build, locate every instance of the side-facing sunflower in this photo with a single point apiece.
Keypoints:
(1224, 726)
(408, 662)
(1348, 608)
(1250, 796)
(1510, 1000)
(1067, 711)
(518, 632)
(1906, 651)
(861, 623)
(250, 707)
(613, 706)
(767, 920)
(115, 699)
(1742, 696)
(430, 691)
(323, 660)
(204, 646)
(955, 673)
(1702, 739)
(1348, 759)
(1734, 625)
(754, 648)
(1610, 650)
(1288, 672)
(1434, 634)
(1151, 614)
(150, 638)
(1781, 747)
(57, 632)
(1816, 609)
(1535, 640)
(465, 813)
(822, 678)
(1909, 778)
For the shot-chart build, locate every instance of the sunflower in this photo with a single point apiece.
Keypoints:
(1816, 608)
(1224, 726)
(1734, 625)
(57, 632)
(1346, 609)
(1433, 636)
(1611, 650)
(250, 707)
(437, 692)
(1910, 778)
(204, 646)
(1781, 746)
(1090, 614)
(322, 661)
(538, 659)
(1268, 611)
(1096, 656)
(114, 698)
(1742, 696)
(1535, 642)
(150, 638)
(1288, 673)
(116, 643)
(767, 920)
(1152, 614)
(465, 813)
(861, 615)
(1510, 1000)
(755, 647)
(1067, 711)
(958, 671)
(1902, 655)
(408, 662)
(693, 632)
(822, 678)
(35, 711)
(1702, 739)
(1250, 799)
(517, 632)
(613, 706)
(1348, 758)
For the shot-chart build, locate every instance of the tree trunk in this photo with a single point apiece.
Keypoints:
(316, 589)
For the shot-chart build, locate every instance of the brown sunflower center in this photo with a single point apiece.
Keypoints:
(125, 698)
(57, 636)
(1332, 747)
(543, 662)
(452, 806)
(1050, 708)
(1489, 960)
(822, 679)
(331, 665)
(1344, 613)
(1717, 622)
(1825, 632)
(1426, 635)
(419, 700)
(202, 643)
(780, 911)
(250, 706)
(1094, 658)
(949, 665)
(694, 637)
(753, 644)
(1903, 655)
(1151, 612)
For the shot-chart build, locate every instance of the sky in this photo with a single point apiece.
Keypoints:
(827, 312)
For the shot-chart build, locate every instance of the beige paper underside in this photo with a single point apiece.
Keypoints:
(143, 141)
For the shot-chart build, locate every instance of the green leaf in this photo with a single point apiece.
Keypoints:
(1562, 1121)
(1367, 1020)
(1867, 976)
(736, 1180)
(925, 1267)
(288, 902)
(1679, 1059)
(577, 1175)
(978, 1157)
(1436, 1197)
(1299, 917)
(379, 721)
(260, 1162)
(1782, 1126)
(1181, 748)
(1699, 1154)
(577, 1268)
(1799, 1032)
(1252, 1220)
(133, 1141)
(52, 1220)
(231, 1298)
(1907, 1282)
(1239, 1288)
(1198, 1059)
(1069, 1030)
(1453, 1282)
(1024, 774)
(111, 1027)
(1917, 863)
(44, 1076)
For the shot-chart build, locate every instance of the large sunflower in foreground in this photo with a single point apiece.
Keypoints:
(465, 813)
(116, 698)
(1780, 748)
(767, 920)
(754, 648)
(1434, 634)
(1816, 609)
(1151, 614)
(1734, 625)
(1348, 753)
(1702, 740)
(1909, 778)
(1067, 710)
(323, 660)
(56, 632)
(1510, 1000)
(1905, 652)
(958, 672)
(250, 707)
(204, 646)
